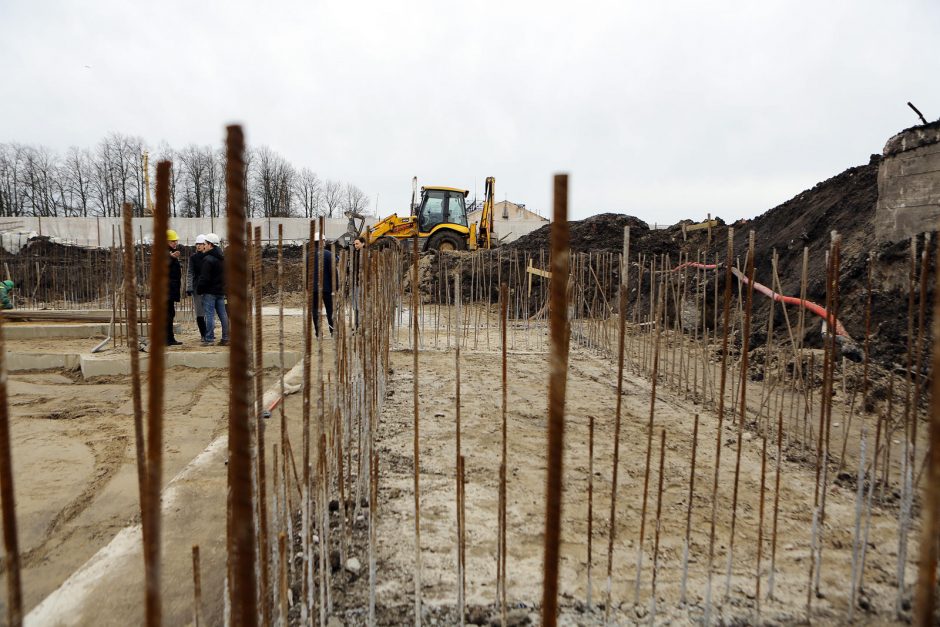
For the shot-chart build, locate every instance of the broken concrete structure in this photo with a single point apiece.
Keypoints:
(909, 184)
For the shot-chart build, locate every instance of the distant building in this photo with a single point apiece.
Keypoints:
(510, 221)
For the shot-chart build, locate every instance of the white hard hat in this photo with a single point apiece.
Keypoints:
(200, 239)
(213, 239)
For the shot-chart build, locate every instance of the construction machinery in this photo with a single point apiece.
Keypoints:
(439, 221)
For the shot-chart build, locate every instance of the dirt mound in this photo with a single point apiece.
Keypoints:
(600, 233)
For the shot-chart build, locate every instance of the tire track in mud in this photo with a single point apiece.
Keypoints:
(110, 443)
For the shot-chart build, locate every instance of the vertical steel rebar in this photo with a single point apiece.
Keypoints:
(159, 281)
(558, 372)
(244, 601)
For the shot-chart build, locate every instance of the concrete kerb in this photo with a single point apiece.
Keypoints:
(101, 366)
(68, 605)
(96, 366)
(21, 331)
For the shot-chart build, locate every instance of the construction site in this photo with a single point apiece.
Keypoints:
(596, 423)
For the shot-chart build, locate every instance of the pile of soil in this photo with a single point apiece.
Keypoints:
(844, 203)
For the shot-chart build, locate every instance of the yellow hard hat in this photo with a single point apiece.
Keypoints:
(171, 236)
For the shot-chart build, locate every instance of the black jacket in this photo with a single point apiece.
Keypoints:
(192, 275)
(212, 273)
(175, 277)
(328, 270)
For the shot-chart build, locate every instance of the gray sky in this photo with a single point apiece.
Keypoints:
(664, 110)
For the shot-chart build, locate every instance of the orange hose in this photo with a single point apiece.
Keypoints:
(780, 298)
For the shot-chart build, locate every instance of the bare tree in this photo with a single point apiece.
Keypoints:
(354, 200)
(332, 198)
(12, 194)
(307, 192)
(194, 164)
(272, 183)
(78, 175)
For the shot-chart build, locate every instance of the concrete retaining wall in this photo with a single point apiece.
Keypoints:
(909, 184)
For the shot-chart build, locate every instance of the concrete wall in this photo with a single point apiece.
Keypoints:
(98, 231)
(909, 184)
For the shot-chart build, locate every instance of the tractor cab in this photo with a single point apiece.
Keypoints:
(441, 205)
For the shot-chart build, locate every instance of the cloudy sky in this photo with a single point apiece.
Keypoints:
(664, 110)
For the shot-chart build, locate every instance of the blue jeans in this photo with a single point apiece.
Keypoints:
(215, 303)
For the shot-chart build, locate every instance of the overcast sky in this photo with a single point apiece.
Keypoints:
(664, 110)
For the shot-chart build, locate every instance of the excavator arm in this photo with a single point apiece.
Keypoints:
(486, 218)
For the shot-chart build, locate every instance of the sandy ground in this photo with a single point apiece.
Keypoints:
(592, 392)
(76, 488)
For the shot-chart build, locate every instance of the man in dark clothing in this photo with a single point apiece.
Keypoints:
(327, 287)
(192, 277)
(174, 282)
(211, 286)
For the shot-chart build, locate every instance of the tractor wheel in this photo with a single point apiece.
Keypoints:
(446, 242)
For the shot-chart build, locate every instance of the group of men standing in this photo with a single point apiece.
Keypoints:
(205, 284)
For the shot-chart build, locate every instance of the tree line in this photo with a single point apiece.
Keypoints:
(36, 181)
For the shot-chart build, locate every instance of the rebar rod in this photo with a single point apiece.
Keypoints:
(11, 543)
(244, 602)
(158, 320)
(721, 416)
(558, 371)
(612, 529)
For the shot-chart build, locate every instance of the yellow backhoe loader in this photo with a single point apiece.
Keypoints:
(439, 221)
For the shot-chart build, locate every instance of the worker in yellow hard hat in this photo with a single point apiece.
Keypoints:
(174, 284)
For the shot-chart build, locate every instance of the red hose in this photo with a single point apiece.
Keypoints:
(780, 298)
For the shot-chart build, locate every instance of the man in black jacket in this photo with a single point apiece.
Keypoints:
(175, 279)
(326, 290)
(211, 286)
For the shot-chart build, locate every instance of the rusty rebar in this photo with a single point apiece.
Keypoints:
(590, 512)
(721, 417)
(417, 432)
(197, 588)
(612, 530)
(688, 515)
(558, 372)
(159, 272)
(745, 341)
(658, 528)
(501, 576)
(130, 302)
(244, 602)
(7, 497)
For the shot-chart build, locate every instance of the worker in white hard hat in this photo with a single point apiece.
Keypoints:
(175, 277)
(211, 285)
(192, 277)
